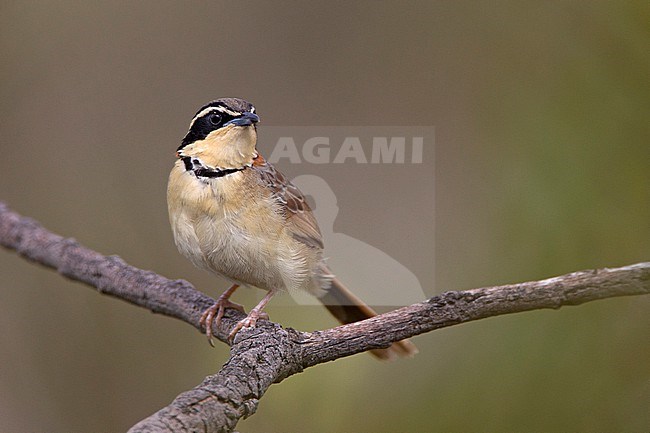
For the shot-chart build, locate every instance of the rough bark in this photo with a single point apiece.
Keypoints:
(269, 353)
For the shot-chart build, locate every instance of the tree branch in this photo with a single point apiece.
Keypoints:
(269, 353)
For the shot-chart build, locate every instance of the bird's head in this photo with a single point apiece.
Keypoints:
(222, 134)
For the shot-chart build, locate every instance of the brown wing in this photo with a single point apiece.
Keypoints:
(296, 211)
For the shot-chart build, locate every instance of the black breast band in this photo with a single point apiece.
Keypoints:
(199, 170)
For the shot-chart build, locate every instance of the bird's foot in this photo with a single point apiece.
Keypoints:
(215, 314)
(249, 322)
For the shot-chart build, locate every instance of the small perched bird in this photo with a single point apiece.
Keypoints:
(232, 213)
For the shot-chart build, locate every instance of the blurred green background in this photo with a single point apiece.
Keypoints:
(542, 154)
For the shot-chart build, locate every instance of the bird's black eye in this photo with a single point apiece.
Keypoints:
(215, 119)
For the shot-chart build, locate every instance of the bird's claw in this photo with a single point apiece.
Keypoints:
(214, 314)
(248, 322)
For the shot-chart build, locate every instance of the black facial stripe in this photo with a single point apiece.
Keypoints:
(202, 127)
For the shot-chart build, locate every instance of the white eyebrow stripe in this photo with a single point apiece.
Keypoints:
(201, 114)
(211, 109)
(227, 111)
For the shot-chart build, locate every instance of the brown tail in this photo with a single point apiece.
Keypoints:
(348, 308)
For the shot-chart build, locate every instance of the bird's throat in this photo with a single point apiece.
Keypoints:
(230, 147)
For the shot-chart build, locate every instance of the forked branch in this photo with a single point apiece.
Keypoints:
(269, 353)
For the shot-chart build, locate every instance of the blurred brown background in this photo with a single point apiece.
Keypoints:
(542, 151)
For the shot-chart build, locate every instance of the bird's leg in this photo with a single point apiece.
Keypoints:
(219, 308)
(255, 314)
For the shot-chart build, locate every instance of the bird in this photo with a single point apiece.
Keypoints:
(234, 214)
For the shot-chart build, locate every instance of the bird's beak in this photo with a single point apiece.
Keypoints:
(246, 119)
